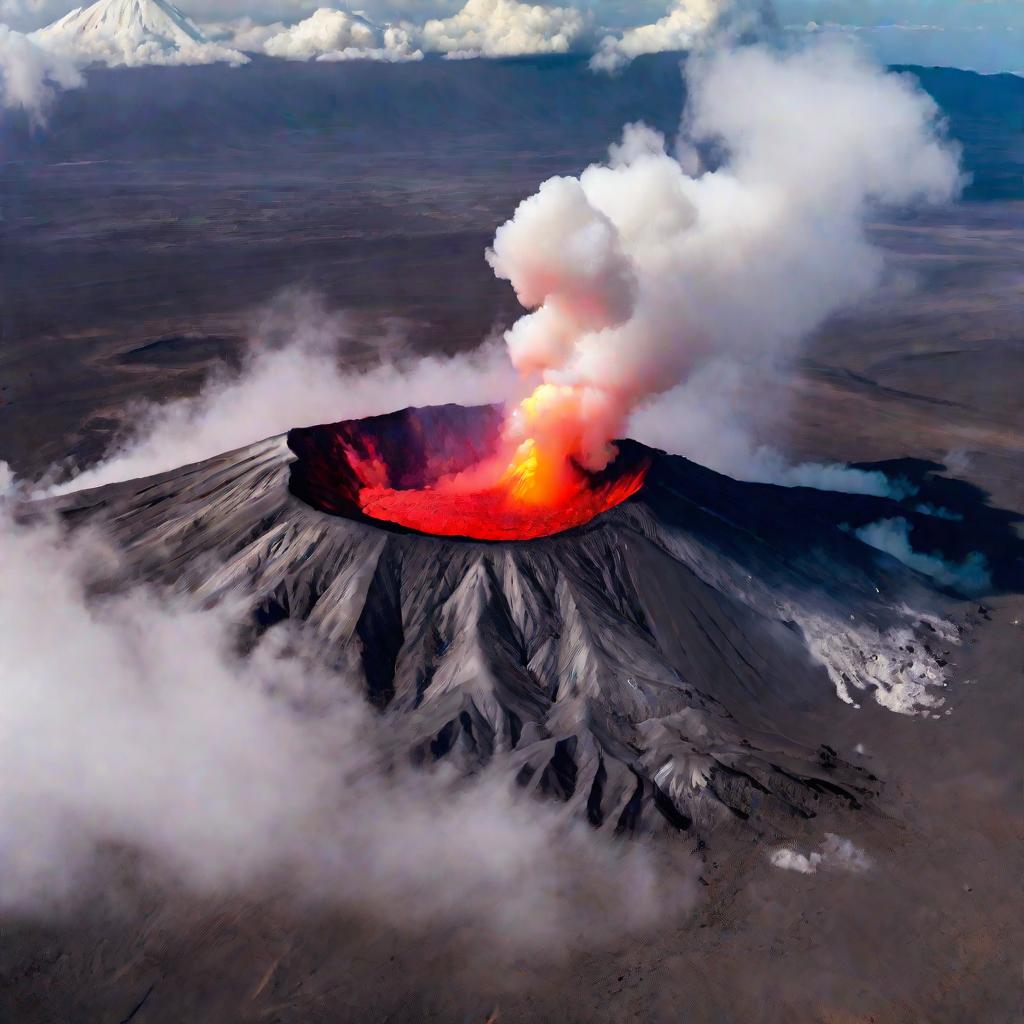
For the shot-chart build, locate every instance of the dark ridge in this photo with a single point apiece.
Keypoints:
(595, 815)
(629, 819)
(663, 802)
(559, 776)
(381, 634)
(770, 512)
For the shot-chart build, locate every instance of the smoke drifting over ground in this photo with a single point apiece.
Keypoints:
(133, 722)
(893, 537)
(712, 418)
(647, 269)
(836, 852)
(291, 377)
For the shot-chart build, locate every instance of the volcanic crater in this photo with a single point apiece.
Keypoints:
(403, 470)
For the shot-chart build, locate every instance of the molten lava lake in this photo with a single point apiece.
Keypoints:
(396, 469)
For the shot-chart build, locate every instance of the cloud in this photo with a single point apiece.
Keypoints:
(686, 22)
(291, 377)
(31, 76)
(500, 28)
(335, 35)
(836, 853)
(243, 33)
(893, 537)
(131, 722)
(482, 28)
(687, 25)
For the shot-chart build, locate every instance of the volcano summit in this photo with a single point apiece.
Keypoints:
(675, 660)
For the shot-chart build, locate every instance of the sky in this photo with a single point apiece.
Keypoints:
(983, 35)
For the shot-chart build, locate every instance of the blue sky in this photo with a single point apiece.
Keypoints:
(985, 35)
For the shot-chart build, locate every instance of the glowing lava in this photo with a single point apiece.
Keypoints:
(435, 471)
(495, 514)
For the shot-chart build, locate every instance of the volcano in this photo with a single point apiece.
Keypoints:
(672, 654)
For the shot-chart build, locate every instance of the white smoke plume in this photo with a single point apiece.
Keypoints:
(501, 28)
(291, 377)
(31, 76)
(836, 852)
(893, 537)
(645, 269)
(131, 722)
(334, 35)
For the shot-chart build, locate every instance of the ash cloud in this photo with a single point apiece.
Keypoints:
(131, 722)
(892, 536)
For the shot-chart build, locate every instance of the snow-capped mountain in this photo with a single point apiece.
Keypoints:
(133, 32)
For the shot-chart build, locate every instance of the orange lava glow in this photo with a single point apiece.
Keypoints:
(496, 513)
(457, 472)
(540, 491)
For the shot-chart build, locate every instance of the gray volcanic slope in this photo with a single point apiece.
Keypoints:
(673, 664)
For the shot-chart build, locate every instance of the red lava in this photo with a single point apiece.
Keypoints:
(494, 514)
(414, 469)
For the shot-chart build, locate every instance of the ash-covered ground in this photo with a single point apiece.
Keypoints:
(136, 260)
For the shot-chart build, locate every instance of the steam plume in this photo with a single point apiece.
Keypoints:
(893, 537)
(645, 269)
(836, 852)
